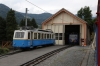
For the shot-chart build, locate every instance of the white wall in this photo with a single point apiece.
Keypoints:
(57, 26)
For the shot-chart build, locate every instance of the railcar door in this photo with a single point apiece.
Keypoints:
(30, 36)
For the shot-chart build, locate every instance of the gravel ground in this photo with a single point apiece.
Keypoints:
(73, 56)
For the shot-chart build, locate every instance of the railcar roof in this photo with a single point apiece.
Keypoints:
(35, 30)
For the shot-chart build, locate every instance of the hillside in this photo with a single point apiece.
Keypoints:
(4, 10)
(38, 17)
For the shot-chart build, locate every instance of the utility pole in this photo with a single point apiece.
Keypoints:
(26, 18)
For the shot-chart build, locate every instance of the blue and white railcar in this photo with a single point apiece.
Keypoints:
(32, 38)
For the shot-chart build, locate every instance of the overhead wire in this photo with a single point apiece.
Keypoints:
(36, 6)
(43, 9)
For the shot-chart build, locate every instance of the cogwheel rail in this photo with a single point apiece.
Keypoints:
(44, 57)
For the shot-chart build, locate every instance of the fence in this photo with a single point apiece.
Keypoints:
(6, 44)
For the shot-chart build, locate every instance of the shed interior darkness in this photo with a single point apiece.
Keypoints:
(72, 29)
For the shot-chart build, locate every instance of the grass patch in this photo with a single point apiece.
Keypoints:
(4, 51)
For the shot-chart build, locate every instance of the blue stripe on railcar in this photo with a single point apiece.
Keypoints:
(26, 43)
(43, 42)
(21, 43)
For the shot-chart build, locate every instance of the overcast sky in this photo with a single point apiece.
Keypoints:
(51, 6)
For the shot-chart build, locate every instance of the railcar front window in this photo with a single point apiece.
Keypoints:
(19, 35)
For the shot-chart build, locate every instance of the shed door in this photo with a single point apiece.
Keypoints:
(72, 34)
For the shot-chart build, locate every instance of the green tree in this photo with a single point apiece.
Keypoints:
(94, 20)
(85, 14)
(80, 13)
(34, 23)
(29, 23)
(2, 30)
(22, 22)
(11, 24)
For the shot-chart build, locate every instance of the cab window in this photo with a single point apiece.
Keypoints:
(19, 35)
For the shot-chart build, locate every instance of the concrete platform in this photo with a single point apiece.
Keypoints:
(89, 59)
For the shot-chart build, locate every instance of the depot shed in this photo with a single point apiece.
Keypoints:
(64, 24)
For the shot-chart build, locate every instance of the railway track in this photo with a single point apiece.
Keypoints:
(44, 57)
(10, 53)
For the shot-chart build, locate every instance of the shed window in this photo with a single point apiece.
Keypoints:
(60, 36)
(56, 36)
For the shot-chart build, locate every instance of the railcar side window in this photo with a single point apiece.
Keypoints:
(28, 35)
(53, 36)
(35, 35)
(19, 35)
(39, 37)
(47, 36)
(50, 36)
(42, 36)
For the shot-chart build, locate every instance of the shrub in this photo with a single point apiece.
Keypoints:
(4, 50)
